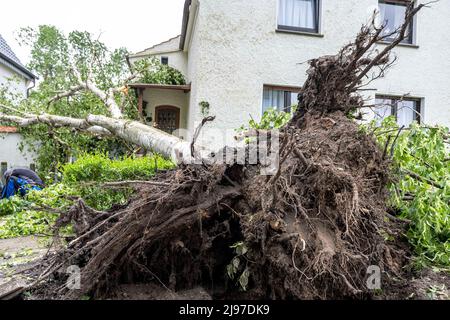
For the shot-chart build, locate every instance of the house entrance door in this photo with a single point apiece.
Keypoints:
(167, 118)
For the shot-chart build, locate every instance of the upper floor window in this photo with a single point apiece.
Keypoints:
(299, 15)
(279, 98)
(165, 60)
(392, 15)
(405, 110)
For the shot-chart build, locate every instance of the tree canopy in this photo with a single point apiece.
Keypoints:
(78, 76)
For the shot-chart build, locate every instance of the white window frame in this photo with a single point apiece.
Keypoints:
(292, 89)
(418, 113)
(301, 30)
(413, 39)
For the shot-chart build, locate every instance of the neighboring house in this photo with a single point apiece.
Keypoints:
(243, 57)
(16, 79)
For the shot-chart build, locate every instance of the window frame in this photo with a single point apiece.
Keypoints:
(410, 40)
(394, 107)
(315, 30)
(165, 58)
(287, 91)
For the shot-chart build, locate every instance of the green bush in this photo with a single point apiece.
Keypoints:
(271, 119)
(89, 171)
(422, 151)
(28, 215)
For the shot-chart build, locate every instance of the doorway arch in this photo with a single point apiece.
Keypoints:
(167, 118)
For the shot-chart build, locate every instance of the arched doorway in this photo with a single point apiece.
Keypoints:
(167, 118)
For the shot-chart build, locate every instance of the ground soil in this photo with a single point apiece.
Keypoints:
(18, 258)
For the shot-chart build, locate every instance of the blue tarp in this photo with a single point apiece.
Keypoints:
(15, 186)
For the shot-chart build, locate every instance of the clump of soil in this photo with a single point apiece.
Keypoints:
(155, 292)
(319, 226)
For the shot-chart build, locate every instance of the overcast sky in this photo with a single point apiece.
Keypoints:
(134, 24)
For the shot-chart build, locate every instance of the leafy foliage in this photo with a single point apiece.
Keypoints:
(154, 72)
(26, 216)
(204, 108)
(420, 150)
(424, 152)
(35, 214)
(53, 55)
(271, 119)
(238, 268)
(100, 168)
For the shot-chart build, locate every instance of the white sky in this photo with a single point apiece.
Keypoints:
(134, 24)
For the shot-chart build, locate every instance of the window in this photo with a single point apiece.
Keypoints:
(405, 110)
(279, 98)
(165, 60)
(392, 15)
(299, 15)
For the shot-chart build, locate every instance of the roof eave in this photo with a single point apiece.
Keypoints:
(184, 26)
(24, 70)
(186, 88)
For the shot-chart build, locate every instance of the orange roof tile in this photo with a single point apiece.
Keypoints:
(8, 129)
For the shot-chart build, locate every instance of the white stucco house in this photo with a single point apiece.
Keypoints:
(245, 56)
(17, 80)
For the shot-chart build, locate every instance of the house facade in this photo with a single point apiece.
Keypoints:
(242, 57)
(16, 79)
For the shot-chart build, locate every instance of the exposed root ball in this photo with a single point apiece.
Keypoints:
(311, 231)
(321, 228)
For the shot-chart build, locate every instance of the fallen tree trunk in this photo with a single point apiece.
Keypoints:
(134, 132)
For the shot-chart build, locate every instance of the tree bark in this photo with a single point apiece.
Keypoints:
(132, 131)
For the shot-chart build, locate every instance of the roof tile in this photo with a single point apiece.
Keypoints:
(4, 129)
(7, 51)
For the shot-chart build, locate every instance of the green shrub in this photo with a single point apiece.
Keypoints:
(423, 151)
(29, 215)
(271, 119)
(100, 168)
(89, 171)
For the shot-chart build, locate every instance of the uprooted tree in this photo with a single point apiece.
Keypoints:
(309, 231)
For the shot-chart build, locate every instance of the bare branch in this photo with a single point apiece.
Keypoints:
(67, 93)
(107, 97)
(55, 121)
(411, 11)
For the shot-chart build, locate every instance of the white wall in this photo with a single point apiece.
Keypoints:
(9, 142)
(177, 59)
(170, 49)
(236, 50)
(16, 83)
(162, 97)
(10, 153)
